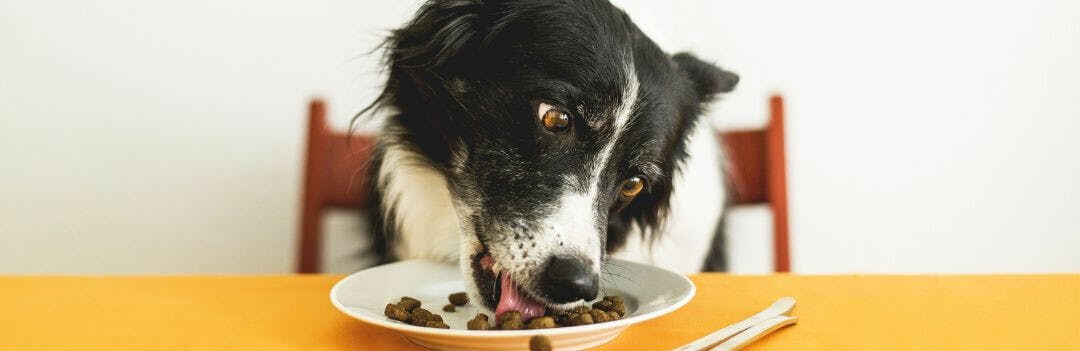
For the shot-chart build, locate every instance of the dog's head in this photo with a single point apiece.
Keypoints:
(558, 126)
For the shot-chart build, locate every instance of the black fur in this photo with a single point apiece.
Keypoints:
(467, 75)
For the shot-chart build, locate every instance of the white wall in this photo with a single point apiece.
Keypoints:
(140, 137)
(924, 136)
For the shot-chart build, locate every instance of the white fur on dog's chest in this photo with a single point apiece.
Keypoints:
(427, 226)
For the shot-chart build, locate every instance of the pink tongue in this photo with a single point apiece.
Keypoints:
(512, 299)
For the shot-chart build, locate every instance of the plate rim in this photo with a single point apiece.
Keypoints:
(580, 329)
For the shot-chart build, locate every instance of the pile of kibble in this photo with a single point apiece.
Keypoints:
(608, 309)
(408, 310)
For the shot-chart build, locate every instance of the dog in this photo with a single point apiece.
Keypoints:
(530, 141)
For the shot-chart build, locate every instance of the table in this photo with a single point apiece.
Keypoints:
(854, 312)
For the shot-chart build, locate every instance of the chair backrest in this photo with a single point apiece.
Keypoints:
(757, 173)
(335, 176)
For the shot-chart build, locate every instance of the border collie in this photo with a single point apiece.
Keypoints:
(532, 140)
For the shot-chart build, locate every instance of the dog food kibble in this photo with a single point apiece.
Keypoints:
(604, 305)
(611, 304)
(539, 343)
(459, 299)
(580, 319)
(509, 315)
(409, 303)
(599, 316)
(541, 323)
(513, 324)
(436, 324)
(419, 316)
(478, 324)
(396, 313)
(511, 321)
(409, 310)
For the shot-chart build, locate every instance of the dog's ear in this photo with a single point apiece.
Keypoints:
(708, 79)
(429, 54)
(439, 33)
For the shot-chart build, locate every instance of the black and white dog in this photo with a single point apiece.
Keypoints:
(531, 140)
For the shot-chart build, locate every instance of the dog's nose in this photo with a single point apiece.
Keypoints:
(568, 279)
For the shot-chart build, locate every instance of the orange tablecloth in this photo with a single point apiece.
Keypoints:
(1035, 312)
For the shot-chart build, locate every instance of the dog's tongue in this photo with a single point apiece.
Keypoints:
(512, 299)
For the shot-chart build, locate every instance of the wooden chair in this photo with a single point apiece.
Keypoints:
(335, 176)
(336, 169)
(757, 174)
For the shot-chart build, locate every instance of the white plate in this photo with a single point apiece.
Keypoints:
(648, 292)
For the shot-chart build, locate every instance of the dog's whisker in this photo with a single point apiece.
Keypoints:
(629, 279)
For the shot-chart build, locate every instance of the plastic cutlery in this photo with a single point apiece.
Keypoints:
(779, 308)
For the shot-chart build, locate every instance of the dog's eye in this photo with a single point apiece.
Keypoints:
(553, 119)
(632, 186)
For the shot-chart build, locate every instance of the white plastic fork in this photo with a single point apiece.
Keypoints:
(780, 308)
(756, 332)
